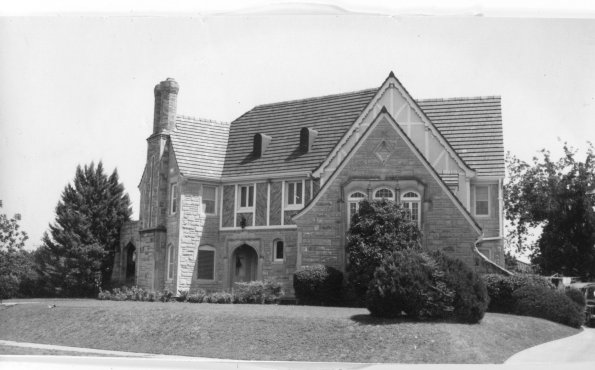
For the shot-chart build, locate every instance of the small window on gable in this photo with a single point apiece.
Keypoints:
(209, 196)
(170, 262)
(246, 198)
(412, 201)
(384, 193)
(353, 204)
(278, 250)
(205, 263)
(294, 194)
(482, 200)
(174, 198)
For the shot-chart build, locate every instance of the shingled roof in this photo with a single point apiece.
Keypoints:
(199, 146)
(330, 115)
(473, 127)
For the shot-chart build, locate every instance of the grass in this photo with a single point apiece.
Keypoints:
(270, 332)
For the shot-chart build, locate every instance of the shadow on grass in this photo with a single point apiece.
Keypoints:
(371, 320)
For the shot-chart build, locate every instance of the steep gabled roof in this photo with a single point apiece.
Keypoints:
(199, 146)
(330, 115)
(473, 127)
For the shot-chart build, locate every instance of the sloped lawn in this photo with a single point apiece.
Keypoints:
(269, 332)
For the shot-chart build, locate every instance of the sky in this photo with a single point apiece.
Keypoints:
(79, 88)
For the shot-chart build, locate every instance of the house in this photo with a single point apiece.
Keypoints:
(274, 190)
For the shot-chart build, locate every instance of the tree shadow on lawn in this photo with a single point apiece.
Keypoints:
(374, 321)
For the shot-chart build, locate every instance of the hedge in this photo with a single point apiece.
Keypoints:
(548, 304)
(318, 285)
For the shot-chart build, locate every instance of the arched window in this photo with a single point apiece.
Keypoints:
(384, 193)
(353, 203)
(170, 262)
(412, 201)
(278, 250)
(205, 263)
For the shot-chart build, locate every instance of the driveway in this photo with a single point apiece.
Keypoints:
(578, 348)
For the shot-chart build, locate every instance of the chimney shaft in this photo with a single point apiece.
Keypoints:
(166, 97)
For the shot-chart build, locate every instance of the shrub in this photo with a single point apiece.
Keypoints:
(401, 284)
(167, 296)
(500, 289)
(197, 297)
(548, 304)
(379, 228)
(577, 297)
(471, 296)
(104, 295)
(318, 285)
(257, 292)
(218, 297)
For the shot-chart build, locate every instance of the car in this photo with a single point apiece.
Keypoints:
(588, 290)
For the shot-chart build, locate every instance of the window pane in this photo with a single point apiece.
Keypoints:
(279, 250)
(384, 193)
(481, 207)
(357, 195)
(298, 193)
(290, 192)
(415, 211)
(174, 198)
(251, 196)
(243, 197)
(481, 193)
(208, 206)
(410, 195)
(208, 199)
(206, 265)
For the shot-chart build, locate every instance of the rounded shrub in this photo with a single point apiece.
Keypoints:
(318, 285)
(553, 305)
(471, 296)
(408, 282)
(577, 297)
(500, 289)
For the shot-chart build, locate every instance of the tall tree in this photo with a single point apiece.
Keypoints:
(13, 258)
(553, 194)
(77, 255)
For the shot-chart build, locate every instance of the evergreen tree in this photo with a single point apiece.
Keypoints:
(554, 195)
(77, 255)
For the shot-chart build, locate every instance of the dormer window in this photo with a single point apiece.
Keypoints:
(353, 204)
(261, 143)
(411, 202)
(173, 205)
(307, 137)
(384, 193)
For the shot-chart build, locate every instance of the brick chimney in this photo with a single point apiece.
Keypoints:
(166, 96)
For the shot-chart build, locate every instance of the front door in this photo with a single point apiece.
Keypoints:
(244, 264)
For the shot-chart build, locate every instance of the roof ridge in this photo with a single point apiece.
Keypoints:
(182, 116)
(316, 98)
(481, 97)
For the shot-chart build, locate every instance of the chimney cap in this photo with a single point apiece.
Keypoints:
(169, 85)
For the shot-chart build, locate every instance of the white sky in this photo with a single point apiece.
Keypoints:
(76, 89)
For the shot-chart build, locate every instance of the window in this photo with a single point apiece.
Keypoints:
(411, 202)
(294, 194)
(384, 193)
(246, 198)
(278, 250)
(482, 200)
(205, 263)
(353, 204)
(209, 196)
(174, 199)
(170, 262)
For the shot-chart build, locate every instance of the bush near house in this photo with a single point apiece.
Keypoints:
(577, 297)
(426, 285)
(500, 289)
(318, 285)
(266, 291)
(547, 304)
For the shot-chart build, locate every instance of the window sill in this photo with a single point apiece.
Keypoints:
(245, 210)
(278, 262)
(293, 207)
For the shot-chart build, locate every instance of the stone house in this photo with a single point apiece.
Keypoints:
(274, 190)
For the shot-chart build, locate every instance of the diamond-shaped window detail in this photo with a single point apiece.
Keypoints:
(383, 151)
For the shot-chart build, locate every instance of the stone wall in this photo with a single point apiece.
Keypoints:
(322, 228)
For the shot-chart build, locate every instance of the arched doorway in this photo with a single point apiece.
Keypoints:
(244, 263)
(130, 264)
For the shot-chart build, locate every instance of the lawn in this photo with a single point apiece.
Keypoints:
(270, 332)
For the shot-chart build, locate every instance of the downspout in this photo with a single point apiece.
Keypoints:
(486, 259)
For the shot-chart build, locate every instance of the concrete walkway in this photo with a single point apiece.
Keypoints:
(579, 348)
